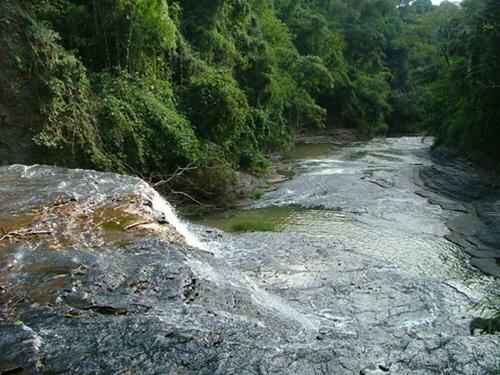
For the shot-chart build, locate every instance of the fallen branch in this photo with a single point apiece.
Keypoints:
(135, 225)
(28, 233)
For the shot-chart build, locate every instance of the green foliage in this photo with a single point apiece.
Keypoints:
(372, 101)
(221, 115)
(65, 97)
(147, 86)
(465, 88)
(127, 34)
(151, 33)
(141, 127)
(217, 107)
(313, 76)
(212, 179)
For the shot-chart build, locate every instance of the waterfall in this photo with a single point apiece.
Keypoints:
(161, 205)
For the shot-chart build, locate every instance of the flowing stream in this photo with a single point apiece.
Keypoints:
(364, 197)
(370, 260)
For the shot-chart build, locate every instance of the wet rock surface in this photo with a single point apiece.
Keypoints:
(366, 283)
(476, 227)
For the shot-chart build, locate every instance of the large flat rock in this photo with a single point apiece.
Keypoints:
(367, 285)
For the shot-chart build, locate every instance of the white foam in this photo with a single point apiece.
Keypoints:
(330, 171)
(270, 302)
(161, 205)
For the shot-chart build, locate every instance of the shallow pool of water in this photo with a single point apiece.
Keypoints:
(275, 219)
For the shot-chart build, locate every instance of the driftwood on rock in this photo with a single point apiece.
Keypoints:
(25, 233)
(138, 224)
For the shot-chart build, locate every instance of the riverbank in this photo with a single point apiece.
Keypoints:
(458, 185)
(249, 187)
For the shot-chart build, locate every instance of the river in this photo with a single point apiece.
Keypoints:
(362, 265)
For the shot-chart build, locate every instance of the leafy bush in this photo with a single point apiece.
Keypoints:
(218, 108)
(141, 127)
(212, 179)
(65, 96)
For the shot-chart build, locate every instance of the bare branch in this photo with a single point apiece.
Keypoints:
(189, 197)
(178, 173)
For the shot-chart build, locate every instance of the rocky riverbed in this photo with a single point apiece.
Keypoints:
(373, 269)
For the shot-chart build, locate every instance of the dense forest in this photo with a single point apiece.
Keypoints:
(149, 86)
(336, 164)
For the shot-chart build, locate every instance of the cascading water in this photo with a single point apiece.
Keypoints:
(161, 205)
